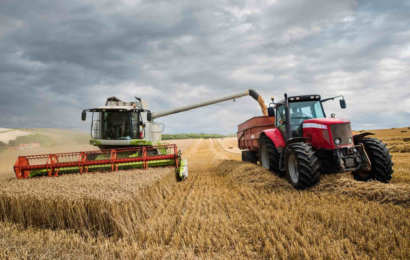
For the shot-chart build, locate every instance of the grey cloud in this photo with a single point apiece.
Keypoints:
(59, 57)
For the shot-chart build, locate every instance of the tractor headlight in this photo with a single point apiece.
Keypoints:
(350, 140)
(338, 141)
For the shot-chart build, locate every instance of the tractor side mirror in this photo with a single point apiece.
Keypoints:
(343, 103)
(83, 115)
(271, 111)
(149, 116)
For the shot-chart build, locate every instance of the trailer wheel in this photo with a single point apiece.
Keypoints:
(249, 156)
(382, 165)
(301, 165)
(269, 156)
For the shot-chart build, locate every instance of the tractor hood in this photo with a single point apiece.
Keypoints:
(328, 133)
(325, 121)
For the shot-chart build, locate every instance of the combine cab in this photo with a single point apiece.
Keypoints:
(298, 142)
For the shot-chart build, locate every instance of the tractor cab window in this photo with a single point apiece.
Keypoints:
(301, 111)
(116, 125)
(281, 120)
(280, 116)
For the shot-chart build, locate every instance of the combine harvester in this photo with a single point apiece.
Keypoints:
(298, 142)
(128, 138)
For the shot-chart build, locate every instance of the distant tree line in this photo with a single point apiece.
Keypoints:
(194, 136)
(45, 141)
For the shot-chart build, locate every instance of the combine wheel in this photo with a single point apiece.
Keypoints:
(380, 158)
(301, 165)
(269, 156)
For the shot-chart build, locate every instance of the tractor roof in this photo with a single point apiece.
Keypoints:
(303, 98)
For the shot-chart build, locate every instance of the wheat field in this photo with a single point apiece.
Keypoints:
(226, 209)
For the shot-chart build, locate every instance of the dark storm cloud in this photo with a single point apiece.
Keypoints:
(59, 57)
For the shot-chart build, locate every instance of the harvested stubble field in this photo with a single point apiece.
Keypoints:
(230, 209)
(113, 204)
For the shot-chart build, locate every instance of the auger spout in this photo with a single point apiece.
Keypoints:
(249, 92)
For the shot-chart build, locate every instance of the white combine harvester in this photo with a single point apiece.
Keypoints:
(128, 137)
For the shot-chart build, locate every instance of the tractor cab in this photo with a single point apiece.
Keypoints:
(301, 108)
(304, 113)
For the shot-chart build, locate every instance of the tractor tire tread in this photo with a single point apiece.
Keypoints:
(380, 158)
(274, 157)
(308, 165)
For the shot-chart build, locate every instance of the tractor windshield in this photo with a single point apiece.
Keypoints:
(301, 111)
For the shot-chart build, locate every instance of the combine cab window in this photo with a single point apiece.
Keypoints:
(135, 125)
(95, 126)
(116, 126)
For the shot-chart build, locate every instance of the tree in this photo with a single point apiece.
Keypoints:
(3, 146)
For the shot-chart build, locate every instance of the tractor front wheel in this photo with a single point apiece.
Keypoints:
(301, 165)
(380, 158)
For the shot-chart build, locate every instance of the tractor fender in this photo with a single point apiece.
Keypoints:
(357, 137)
(276, 136)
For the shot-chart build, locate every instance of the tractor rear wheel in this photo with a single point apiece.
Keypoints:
(301, 165)
(380, 158)
(269, 156)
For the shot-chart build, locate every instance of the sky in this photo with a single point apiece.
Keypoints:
(60, 57)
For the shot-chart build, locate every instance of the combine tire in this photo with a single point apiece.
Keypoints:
(380, 158)
(269, 156)
(301, 165)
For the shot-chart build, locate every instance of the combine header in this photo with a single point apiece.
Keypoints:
(128, 138)
(99, 160)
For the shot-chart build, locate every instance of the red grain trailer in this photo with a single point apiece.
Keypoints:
(248, 136)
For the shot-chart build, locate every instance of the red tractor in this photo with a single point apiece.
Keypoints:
(298, 142)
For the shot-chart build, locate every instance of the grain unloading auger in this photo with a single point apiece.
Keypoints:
(128, 138)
